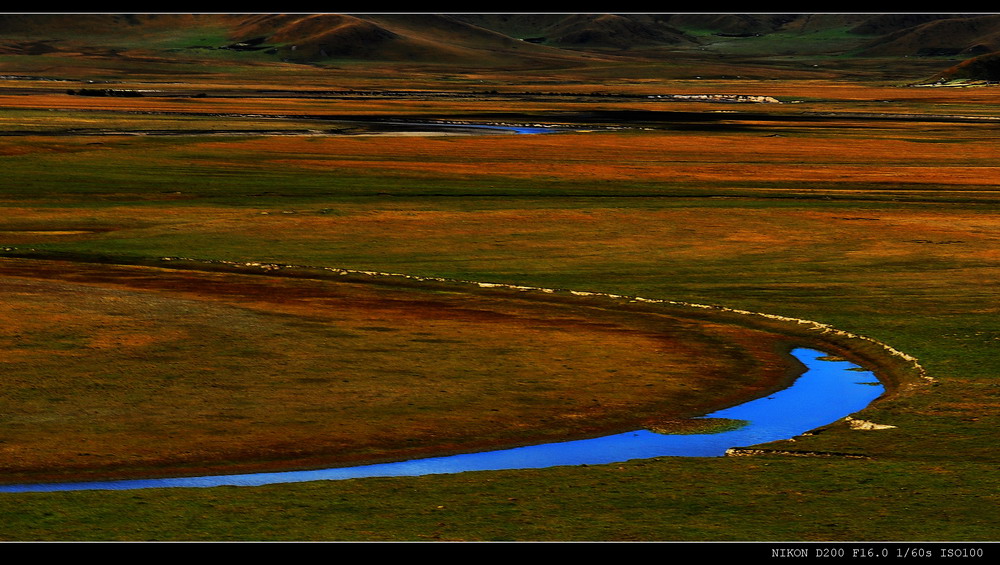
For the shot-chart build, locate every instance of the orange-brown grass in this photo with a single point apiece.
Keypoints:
(284, 105)
(677, 159)
(118, 371)
(596, 237)
(807, 95)
(657, 149)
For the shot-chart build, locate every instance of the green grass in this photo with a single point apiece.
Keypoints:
(803, 45)
(763, 499)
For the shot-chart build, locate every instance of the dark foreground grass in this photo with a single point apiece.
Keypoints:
(758, 499)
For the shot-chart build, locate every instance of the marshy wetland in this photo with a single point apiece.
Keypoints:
(268, 267)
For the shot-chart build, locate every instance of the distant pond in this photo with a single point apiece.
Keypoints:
(459, 128)
(827, 391)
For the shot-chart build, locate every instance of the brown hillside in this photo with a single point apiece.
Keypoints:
(293, 37)
(488, 40)
(519, 26)
(319, 36)
(611, 31)
(881, 24)
(983, 67)
(732, 24)
(68, 26)
(444, 28)
(952, 36)
(397, 37)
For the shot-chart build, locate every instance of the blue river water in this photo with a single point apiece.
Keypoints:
(516, 129)
(469, 128)
(827, 391)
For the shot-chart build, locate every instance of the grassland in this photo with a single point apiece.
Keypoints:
(887, 229)
(181, 372)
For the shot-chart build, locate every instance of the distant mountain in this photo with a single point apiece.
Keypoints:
(585, 31)
(936, 35)
(734, 25)
(508, 40)
(426, 38)
(412, 37)
(882, 24)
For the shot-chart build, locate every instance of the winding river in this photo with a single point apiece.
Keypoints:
(827, 391)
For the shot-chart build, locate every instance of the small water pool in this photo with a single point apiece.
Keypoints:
(827, 391)
(458, 128)
(516, 129)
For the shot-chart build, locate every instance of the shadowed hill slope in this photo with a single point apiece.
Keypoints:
(431, 36)
(383, 37)
(984, 67)
(301, 38)
(704, 42)
(973, 35)
(612, 31)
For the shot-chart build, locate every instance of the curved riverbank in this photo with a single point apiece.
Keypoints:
(822, 394)
(901, 369)
(896, 372)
